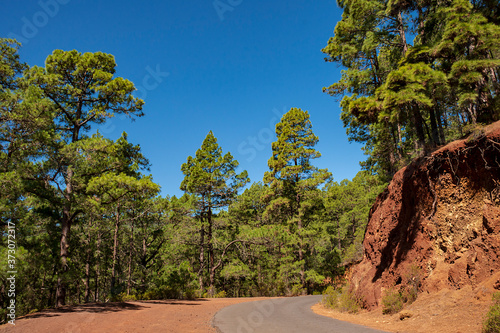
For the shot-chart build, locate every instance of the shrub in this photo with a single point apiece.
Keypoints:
(128, 298)
(413, 282)
(491, 323)
(149, 295)
(348, 301)
(297, 290)
(396, 297)
(343, 300)
(212, 294)
(162, 293)
(392, 302)
(474, 131)
(116, 297)
(190, 294)
(330, 297)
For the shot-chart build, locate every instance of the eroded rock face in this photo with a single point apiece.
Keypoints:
(442, 214)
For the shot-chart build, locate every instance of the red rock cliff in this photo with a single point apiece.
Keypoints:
(441, 213)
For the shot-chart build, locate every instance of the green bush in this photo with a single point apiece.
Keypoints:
(297, 290)
(3, 315)
(116, 297)
(412, 284)
(491, 323)
(190, 294)
(213, 294)
(123, 297)
(330, 297)
(162, 293)
(128, 298)
(392, 302)
(474, 131)
(406, 293)
(343, 300)
(149, 295)
(348, 301)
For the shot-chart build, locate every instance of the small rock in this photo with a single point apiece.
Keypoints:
(405, 314)
(497, 285)
(488, 202)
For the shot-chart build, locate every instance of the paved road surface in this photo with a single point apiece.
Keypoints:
(289, 315)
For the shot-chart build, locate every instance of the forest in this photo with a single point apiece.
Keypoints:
(89, 224)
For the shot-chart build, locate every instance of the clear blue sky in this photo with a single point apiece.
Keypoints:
(233, 69)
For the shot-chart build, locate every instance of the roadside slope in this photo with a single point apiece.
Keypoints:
(440, 218)
(442, 214)
(446, 311)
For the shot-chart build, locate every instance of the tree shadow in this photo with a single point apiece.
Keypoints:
(174, 301)
(109, 307)
(86, 308)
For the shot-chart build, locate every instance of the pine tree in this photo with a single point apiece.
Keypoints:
(79, 90)
(212, 177)
(292, 178)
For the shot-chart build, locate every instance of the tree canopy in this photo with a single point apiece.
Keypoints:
(417, 75)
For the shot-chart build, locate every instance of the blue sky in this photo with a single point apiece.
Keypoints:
(230, 66)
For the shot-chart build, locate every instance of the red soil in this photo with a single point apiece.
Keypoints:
(142, 316)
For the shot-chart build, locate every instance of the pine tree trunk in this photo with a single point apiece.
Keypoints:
(144, 258)
(400, 142)
(302, 267)
(211, 269)
(471, 110)
(202, 256)
(65, 230)
(86, 281)
(78, 291)
(60, 292)
(301, 252)
(434, 128)
(129, 278)
(418, 123)
(64, 244)
(97, 268)
(115, 251)
(402, 34)
(439, 118)
(339, 243)
(87, 278)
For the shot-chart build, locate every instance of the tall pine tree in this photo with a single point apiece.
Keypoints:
(293, 180)
(212, 177)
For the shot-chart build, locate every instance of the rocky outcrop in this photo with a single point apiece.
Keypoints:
(440, 214)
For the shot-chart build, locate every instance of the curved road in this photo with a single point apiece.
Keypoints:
(290, 315)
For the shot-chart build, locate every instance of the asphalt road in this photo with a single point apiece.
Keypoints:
(290, 315)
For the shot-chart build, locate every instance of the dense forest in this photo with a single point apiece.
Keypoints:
(89, 224)
(417, 74)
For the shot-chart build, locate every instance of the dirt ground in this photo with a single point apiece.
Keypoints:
(142, 316)
(447, 311)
